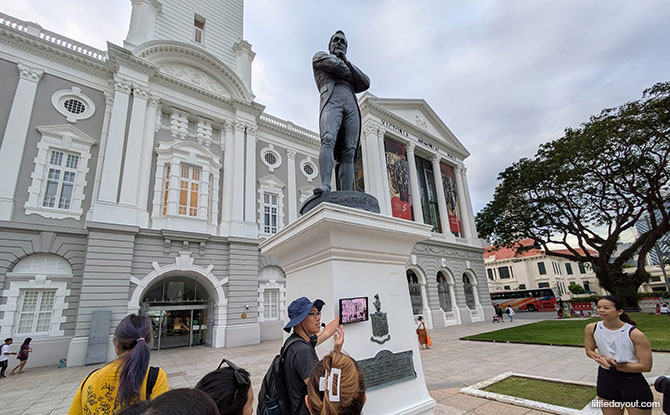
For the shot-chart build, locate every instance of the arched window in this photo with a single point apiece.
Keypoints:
(414, 292)
(443, 292)
(271, 293)
(36, 297)
(469, 293)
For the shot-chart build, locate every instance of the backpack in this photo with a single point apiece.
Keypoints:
(273, 396)
(151, 380)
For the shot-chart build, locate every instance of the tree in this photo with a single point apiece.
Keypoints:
(590, 186)
(576, 289)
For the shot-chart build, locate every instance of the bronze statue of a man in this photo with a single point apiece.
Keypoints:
(338, 81)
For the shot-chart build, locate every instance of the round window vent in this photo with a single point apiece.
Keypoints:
(74, 106)
(308, 169)
(270, 158)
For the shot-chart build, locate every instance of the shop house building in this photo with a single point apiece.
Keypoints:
(141, 179)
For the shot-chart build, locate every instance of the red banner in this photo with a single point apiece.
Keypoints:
(396, 166)
(451, 196)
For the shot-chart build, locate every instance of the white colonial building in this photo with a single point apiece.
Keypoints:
(142, 179)
(508, 270)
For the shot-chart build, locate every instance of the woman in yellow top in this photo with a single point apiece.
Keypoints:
(123, 381)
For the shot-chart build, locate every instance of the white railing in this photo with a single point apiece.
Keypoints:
(288, 125)
(13, 23)
(52, 37)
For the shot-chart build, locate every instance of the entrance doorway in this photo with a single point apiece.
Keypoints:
(181, 326)
(179, 309)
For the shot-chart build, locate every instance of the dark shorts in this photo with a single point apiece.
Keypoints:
(623, 387)
(23, 359)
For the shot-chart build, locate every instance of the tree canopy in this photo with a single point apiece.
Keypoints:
(584, 190)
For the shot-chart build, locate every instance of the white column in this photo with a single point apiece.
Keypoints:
(109, 100)
(133, 155)
(204, 194)
(462, 204)
(16, 130)
(441, 200)
(292, 193)
(414, 184)
(382, 175)
(146, 159)
(111, 171)
(250, 177)
(238, 175)
(367, 139)
(228, 175)
(466, 190)
(173, 189)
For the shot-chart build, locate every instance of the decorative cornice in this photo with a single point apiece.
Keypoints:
(244, 47)
(162, 50)
(88, 60)
(374, 104)
(29, 73)
(121, 56)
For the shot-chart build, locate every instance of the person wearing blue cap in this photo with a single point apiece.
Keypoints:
(305, 320)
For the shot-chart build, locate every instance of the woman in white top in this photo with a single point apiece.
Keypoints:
(623, 354)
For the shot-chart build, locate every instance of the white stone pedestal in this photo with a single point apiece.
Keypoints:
(336, 252)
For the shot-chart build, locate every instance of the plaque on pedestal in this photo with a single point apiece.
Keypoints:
(380, 324)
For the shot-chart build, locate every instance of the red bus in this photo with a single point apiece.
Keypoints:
(539, 299)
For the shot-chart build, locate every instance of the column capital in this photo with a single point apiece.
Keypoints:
(251, 129)
(239, 125)
(228, 126)
(436, 158)
(410, 147)
(29, 73)
(291, 153)
(122, 84)
(109, 97)
(154, 100)
(369, 129)
(141, 91)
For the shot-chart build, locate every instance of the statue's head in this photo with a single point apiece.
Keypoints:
(338, 42)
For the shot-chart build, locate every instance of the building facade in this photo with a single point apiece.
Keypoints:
(508, 270)
(142, 179)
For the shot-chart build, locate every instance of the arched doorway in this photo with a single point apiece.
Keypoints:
(469, 292)
(414, 287)
(443, 292)
(180, 308)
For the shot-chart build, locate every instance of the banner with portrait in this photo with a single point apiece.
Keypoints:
(451, 196)
(398, 175)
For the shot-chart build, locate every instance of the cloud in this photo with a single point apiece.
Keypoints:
(505, 76)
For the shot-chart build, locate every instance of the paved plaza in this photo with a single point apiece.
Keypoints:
(450, 365)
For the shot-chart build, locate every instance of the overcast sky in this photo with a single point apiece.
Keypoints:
(505, 76)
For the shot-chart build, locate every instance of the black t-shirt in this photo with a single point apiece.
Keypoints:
(299, 361)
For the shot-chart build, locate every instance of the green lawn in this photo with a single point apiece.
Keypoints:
(555, 393)
(571, 332)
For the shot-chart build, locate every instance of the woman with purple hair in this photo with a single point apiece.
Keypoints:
(126, 380)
